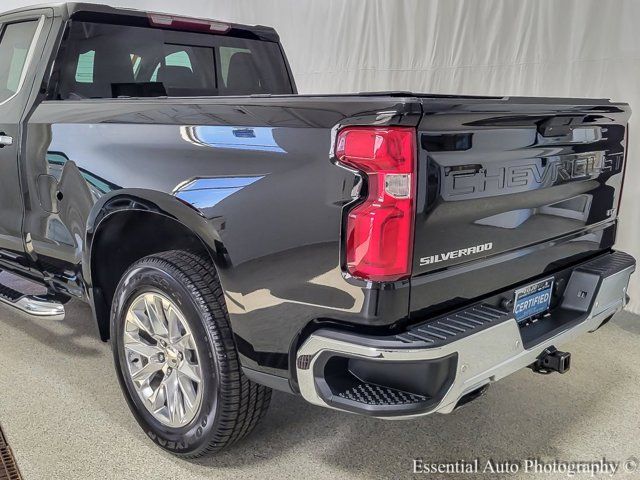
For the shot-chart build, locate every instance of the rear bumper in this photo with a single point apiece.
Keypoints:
(433, 366)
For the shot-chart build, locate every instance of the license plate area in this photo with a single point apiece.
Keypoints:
(532, 300)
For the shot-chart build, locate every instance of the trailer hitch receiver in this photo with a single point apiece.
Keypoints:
(552, 360)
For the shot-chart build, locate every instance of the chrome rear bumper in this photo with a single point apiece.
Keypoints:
(432, 366)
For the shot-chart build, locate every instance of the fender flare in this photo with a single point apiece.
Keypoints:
(153, 203)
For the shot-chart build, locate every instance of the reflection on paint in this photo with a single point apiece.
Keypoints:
(208, 192)
(263, 298)
(97, 185)
(238, 138)
(576, 208)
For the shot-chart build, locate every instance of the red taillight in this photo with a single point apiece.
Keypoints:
(379, 234)
(182, 23)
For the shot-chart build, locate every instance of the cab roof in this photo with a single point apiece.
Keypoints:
(129, 16)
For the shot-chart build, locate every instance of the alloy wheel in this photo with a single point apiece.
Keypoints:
(162, 359)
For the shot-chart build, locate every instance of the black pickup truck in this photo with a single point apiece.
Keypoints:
(389, 254)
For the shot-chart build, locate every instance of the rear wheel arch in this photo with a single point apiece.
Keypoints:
(124, 236)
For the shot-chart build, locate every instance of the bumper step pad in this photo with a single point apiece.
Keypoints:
(609, 265)
(369, 394)
(450, 328)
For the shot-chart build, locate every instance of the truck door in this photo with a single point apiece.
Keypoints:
(21, 41)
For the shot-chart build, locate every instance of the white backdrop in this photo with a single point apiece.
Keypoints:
(580, 48)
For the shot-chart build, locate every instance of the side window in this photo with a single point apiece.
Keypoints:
(225, 59)
(14, 47)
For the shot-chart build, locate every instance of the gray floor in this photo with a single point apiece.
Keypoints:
(64, 416)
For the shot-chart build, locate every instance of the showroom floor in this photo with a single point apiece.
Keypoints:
(64, 416)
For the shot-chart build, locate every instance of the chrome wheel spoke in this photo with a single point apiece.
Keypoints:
(155, 312)
(185, 342)
(162, 359)
(173, 401)
(188, 392)
(144, 374)
(139, 347)
(173, 323)
(140, 321)
(158, 398)
(192, 372)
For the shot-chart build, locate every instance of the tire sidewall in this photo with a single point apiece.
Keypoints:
(147, 277)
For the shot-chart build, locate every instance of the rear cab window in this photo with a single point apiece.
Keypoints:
(103, 60)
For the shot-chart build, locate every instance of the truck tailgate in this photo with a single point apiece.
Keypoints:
(504, 178)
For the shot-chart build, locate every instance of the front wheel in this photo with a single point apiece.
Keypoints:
(175, 357)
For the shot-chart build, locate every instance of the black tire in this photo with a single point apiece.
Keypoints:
(232, 405)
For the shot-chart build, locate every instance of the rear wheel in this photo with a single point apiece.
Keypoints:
(175, 357)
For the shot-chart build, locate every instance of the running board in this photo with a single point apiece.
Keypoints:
(35, 305)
